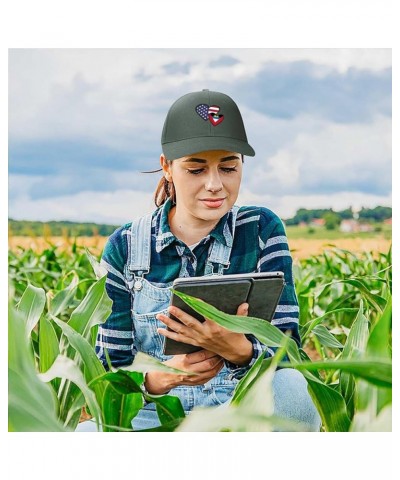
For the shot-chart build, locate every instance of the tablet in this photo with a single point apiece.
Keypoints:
(260, 290)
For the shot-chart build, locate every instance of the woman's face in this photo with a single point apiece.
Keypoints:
(206, 183)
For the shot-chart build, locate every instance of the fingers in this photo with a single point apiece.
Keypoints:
(243, 309)
(200, 356)
(184, 317)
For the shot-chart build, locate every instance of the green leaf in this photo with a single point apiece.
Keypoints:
(94, 309)
(31, 306)
(48, 347)
(120, 381)
(379, 339)
(354, 347)
(245, 383)
(325, 337)
(32, 405)
(144, 363)
(65, 368)
(48, 344)
(93, 366)
(330, 404)
(119, 409)
(98, 269)
(168, 407)
(377, 372)
(375, 300)
(62, 300)
(75, 409)
(313, 323)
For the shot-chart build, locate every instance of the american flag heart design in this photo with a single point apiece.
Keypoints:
(208, 112)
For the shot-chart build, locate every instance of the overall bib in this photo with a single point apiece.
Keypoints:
(150, 299)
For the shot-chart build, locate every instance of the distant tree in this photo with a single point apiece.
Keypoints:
(378, 213)
(346, 214)
(332, 220)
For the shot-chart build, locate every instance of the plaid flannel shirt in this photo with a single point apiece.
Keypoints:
(259, 244)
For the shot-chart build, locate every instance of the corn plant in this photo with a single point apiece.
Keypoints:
(54, 371)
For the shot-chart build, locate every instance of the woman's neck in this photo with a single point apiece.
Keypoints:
(188, 228)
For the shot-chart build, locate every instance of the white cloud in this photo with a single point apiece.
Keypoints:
(92, 93)
(116, 207)
(330, 157)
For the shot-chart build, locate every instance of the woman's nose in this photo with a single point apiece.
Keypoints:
(213, 183)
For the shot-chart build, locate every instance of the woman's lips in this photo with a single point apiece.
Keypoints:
(213, 202)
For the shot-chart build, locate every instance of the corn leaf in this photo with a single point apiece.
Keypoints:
(355, 346)
(65, 368)
(119, 409)
(62, 300)
(325, 337)
(93, 367)
(31, 306)
(32, 405)
(379, 339)
(94, 309)
(377, 372)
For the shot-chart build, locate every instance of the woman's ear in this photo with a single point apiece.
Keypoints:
(166, 167)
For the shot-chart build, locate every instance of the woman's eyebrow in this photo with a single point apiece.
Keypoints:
(202, 160)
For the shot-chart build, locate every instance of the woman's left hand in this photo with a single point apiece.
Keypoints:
(234, 347)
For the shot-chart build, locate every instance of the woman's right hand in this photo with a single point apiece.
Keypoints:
(205, 363)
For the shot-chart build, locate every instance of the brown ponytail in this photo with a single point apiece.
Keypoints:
(164, 190)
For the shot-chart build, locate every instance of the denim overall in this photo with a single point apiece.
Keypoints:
(291, 397)
(150, 299)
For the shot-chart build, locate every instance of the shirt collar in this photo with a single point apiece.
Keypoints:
(222, 232)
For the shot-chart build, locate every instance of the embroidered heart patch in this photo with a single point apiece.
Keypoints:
(210, 113)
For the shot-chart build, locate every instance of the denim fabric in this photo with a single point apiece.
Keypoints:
(150, 299)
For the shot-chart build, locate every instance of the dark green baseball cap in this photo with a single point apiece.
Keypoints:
(202, 121)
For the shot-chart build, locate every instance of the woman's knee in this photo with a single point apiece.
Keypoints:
(292, 400)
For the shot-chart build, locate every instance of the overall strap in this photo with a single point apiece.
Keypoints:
(139, 253)
(220, 253)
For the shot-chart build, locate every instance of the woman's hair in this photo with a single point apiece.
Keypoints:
(164, 190)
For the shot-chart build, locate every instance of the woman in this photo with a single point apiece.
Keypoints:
(197, 230)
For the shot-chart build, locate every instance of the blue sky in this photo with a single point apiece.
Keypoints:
(83, 124)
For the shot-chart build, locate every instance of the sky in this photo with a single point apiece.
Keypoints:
(84, 124)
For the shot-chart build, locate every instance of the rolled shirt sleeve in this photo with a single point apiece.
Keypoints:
(116, 334)
(274, 256)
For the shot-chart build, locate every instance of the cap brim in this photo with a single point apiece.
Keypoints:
(190, 146)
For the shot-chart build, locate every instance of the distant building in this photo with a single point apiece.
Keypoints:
(317, 222)
(388, 221)
(351, 226)
(348, 226)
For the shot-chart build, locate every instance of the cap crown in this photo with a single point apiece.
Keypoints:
(205, 120)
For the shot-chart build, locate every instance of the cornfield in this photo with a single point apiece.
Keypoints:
(57, 300)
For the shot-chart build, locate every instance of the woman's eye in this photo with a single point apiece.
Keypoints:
(229, 170)
(196, 171)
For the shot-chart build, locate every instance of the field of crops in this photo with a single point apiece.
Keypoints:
(57, 300)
